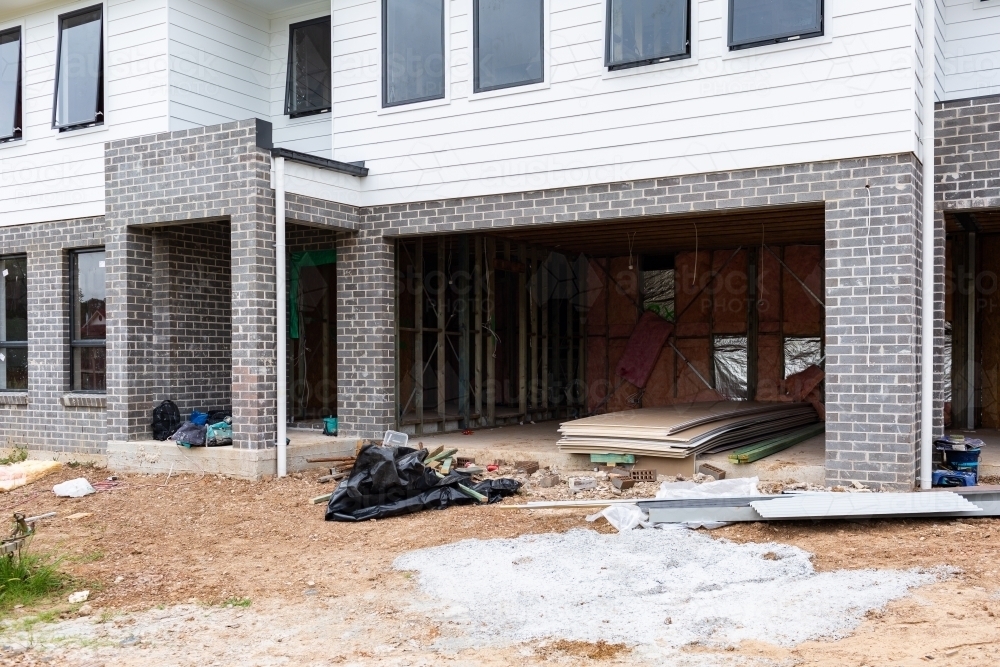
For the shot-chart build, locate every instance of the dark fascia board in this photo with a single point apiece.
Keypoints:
(351, 168)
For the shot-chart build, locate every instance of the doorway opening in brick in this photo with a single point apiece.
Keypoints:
(312, 325)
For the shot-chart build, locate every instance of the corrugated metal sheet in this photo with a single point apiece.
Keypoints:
(837, 505)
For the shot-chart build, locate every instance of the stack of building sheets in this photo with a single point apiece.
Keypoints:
(679, 431)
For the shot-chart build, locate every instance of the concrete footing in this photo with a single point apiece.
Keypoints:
(155, 457)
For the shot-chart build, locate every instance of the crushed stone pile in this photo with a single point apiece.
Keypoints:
(668, 587)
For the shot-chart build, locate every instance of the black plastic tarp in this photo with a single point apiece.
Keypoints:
(390, 481)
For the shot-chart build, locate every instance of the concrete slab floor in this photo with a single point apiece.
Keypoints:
(802, 463)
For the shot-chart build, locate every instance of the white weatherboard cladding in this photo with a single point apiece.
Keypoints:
(310, 134)
(228, 62)
(220, 63)
(847, 96)
(49, 176)
(971, 48)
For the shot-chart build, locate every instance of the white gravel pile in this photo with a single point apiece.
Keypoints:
(666, 587)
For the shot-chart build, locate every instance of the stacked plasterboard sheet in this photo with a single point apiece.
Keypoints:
(682, 430)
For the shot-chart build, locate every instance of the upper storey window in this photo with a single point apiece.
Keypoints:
(509, 43)
(79, 70)
(10, 85)
(309, 80)
(413, 59)
(758, 22)
(641, 32)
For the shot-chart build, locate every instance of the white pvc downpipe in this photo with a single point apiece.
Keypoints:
(280, 299)
(927, 251)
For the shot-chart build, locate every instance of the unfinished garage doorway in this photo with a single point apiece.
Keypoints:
(532, 324)
(971, 351)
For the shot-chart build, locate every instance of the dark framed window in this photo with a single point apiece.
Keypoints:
(10, 84)
(508, 43)
(413, 58)
(79, 94)
(759, 22)
(309, 78)
(642, 32)
(13, 323)
(88, 317)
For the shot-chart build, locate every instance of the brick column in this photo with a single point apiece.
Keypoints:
(366, 346)
(254, 325)
(132, 367)
(873, 302)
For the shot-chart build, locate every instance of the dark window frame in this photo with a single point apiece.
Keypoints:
(14, 344)
(75, 343)
(385, 60)
(475, 52)
(18, 103)
(775, 40)
(645, 61)
(288, 69)
(99, 115)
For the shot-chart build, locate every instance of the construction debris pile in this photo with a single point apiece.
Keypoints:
(390, 481)
(680, 431)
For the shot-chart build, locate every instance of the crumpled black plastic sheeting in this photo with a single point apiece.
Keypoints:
(390, 481)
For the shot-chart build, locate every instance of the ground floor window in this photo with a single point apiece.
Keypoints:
(88, 317)
(13, 323)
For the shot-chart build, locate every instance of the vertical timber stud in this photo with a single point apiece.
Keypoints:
(570, 342)
(522, 334)
(477, 281)
(543, 288)
(532, 277)
(418, 336)
(442, 322)
(462, 288)
(581, 354)
(752, 319)
(491, 341)
(970, 331)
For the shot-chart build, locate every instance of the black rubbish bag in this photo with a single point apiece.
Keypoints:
(390, 481)
(166, 420)
(190, 435)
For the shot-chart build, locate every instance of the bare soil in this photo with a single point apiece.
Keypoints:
(163, 556)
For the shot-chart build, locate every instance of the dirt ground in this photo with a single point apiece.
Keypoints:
(202, 571)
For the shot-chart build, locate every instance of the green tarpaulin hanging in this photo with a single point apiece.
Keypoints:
(299, 260)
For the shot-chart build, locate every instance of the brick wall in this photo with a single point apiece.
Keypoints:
(192, 310)
(45, 423)
(967, 153)
(872, 273)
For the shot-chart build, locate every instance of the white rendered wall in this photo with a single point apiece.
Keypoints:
(849, 94)
(53, 176)
(971, 48)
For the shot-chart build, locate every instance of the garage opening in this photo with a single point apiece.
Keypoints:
(529, 324)
(972, 310)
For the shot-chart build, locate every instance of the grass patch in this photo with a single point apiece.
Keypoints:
(90, 557)
(17, 454)
(81, 464)
(26, 578)
(236, 602)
